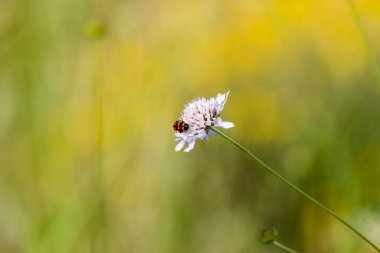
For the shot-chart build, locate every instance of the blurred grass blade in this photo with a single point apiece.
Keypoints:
(371, 52)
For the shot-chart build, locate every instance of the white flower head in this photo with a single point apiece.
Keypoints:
(199, 115)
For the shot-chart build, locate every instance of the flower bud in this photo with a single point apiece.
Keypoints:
(268, 235)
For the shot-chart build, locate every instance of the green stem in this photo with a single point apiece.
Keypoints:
(99, 178)
(287, 249)
(371, 53)
(294, 187)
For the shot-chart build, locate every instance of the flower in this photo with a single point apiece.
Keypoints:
(200, 114)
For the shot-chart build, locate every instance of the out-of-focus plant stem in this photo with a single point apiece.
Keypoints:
(371, 53)
(99, 182)
(294, 187)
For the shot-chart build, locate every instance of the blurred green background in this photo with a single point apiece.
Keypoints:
(88, 93)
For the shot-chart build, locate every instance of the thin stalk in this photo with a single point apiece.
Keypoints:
(100, 221)
(282, 246)
(294, 187)
(371, 53)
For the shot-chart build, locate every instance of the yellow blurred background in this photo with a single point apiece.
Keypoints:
(88, 93)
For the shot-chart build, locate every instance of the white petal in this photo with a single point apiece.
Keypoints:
(180, 146)
(222, 98)
(190, 147)
(212, 101)
(202, 134)
(225, 124)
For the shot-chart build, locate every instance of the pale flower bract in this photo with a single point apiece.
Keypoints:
(200, 114)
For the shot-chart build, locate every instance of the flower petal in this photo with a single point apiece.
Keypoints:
(222, 98)
(180, 146)
(190, 147)
(225, 124)
(212, 132)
